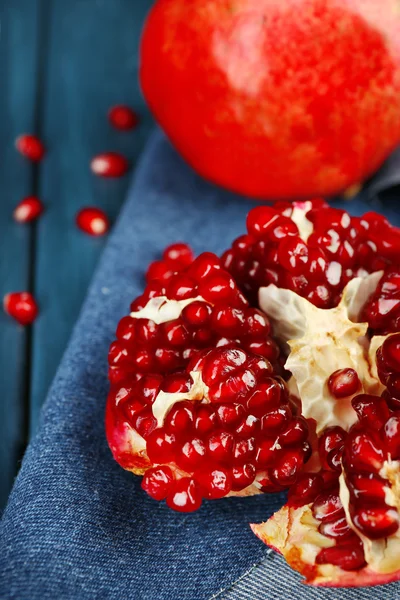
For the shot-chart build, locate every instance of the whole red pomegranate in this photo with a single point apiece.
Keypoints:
(276, 99)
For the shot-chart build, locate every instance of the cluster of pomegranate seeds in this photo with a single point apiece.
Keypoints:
(242, 428)
(29, 209)
(92, 221)
(122, 117)
(109, 164)
(21, 306)
(214, 313)
(175, 258)
(31, 147)
(310, 248)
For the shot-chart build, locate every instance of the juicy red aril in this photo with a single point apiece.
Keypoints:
(197, 314)
(145, 423)
(391, 437)
(242, 476)
(366, 488)
(257, 324)
(230, 415)
(192, 455)
(293, 254)
(305, 490)
(177, 383)
(28, 209)
(334, 459)
(267, 452)
(176, 333)
(349, 557)
(244, 450)
(343, 383)
(287, 468)
(157, 482)
(362, 452)
(185, 495)
(122, 117)
(31, 147)
(204, 266)
(109, 164)
(149, 386)
(181, 287)
(330, 440)
(372, 411)
(266, 396)
(218, 288)
(248, 427)
(327, 506)
(21, 306)
(179, 253)
(391, 352)
(338, 529)
(221, 447)
(376, 522)
(274, 420)
(92, 221)
(228, 320)
(206, 420)
(180, 418)
(214, 482)
(160, 270)
(161, 446)
(295, 433)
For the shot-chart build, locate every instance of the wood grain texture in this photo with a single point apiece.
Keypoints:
(19, 68)
(92, 59)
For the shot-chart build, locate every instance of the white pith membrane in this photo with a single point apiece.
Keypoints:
(321, 341)
(162, 309)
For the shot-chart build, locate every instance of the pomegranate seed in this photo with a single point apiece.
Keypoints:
(177, 383)
(344, 383)
(218, 288)
(206, 420)
(331, 440)
(181, 287)
(376, 522)
(293, 254)
(28, 209)
(230, 415)
(192, 455)
(327, 507)
(180, 253)
(366, 487)
(109, 164)
(261, 219)
(248, 427)
(228, 320)
(92, 221)
(267, 452)
(242, 476)
(347, 557)
(31, 147)
(176, 334)
(214, 482)
(180, 418)
(372, 411)
(362, 452)
(145, 423)
(160, 270)
(161, 446)
(204, 266)
(149, 387)
(197, 314)
(221, 446)
(305, 490)
(338, 529)
(275, 420)
(391, 352)
(287, 468)
(157, 482)
(21, 306)
(391, 436)
(122, 117)
(244, 450)
(185, 497)
(266, 396)
(295, 433)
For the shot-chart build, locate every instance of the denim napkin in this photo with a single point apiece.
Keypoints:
(79, 527)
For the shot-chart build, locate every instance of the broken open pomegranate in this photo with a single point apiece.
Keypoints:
(201, 406)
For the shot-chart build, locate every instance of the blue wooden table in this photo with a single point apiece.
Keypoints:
(62, 64)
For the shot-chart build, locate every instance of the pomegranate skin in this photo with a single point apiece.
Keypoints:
(276, 99)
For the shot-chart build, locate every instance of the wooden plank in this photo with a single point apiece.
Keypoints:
(19, 68)
(92, 64)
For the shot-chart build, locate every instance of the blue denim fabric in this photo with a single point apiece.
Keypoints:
(79, 527)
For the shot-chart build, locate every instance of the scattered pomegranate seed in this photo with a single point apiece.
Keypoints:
(109, 164)
(344, 383)
(31, 147)
(29, 209)
(92, 221)
(21, 306)
(122, 117)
